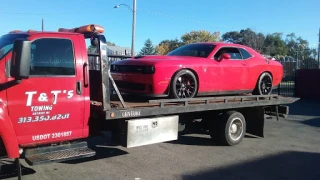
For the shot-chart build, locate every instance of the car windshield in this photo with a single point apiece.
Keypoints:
(6, 42)
(195, 50)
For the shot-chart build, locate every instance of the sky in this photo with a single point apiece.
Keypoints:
(164, 19)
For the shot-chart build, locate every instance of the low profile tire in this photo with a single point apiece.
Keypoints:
(184, 84)
(264, 85)
(229, 129)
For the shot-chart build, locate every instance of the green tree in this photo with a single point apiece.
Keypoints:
(200, 36)
(166, 46)
(148, 48)
(252, 39)
(275, 45)
(233, 37)
(245, 37)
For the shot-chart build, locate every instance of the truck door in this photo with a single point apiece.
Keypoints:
(49, 106)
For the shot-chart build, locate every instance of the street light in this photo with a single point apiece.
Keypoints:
(133, 23)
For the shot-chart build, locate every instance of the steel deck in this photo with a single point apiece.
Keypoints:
(144, 108)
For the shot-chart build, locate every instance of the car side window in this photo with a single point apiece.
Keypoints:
(233, 52)
(52, 57)
(245, 54)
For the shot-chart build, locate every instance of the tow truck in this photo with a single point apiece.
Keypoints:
(55, 95)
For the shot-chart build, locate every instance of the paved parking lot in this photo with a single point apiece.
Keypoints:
(290, 150)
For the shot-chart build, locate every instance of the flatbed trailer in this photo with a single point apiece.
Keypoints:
(175, 106)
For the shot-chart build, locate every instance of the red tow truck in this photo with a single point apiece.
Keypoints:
(54, 95)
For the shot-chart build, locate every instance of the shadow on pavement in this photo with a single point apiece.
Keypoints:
(198, 141)
(308, 107)
(288, 165)
(9, 170)
(102, 149)
(312, 122)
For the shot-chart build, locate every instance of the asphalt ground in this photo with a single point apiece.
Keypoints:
(290, 150)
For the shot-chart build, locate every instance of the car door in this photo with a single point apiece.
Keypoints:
(49, 106)
(233, 72)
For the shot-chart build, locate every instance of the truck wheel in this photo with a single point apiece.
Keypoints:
(264, 85)
(184, 84)
(229, 129)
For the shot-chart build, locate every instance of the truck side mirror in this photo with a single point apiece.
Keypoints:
(20, 60)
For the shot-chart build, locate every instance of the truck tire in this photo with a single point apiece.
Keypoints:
(229, 129)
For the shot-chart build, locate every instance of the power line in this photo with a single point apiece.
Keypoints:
(185, 19)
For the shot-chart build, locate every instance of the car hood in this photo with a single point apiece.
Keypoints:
(153, 59)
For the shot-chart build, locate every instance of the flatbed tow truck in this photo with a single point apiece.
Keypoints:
(54, 95)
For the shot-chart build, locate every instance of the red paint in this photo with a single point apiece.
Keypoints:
(14, 103)
(7, 132)
(213, 75)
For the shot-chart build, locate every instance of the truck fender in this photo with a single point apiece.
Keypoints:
(7, 133)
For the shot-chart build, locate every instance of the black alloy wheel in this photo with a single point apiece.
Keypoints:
(264, 86)
(184, 85)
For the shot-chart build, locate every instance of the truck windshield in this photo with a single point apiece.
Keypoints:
(6, 42)
(196, 50)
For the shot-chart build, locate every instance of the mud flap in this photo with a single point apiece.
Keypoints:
(255, 120)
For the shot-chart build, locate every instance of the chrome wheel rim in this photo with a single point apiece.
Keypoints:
(185, 86)
(236, 129)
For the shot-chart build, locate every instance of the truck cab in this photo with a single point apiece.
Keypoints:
(45, 95)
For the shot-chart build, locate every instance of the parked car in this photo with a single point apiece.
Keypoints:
(198, 69)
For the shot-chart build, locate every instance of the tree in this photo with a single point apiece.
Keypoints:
(275, 45)
(252, 39)
(166, 46)
(200, 36)
(162, 49)
(245, 37)
(148, 48)
(233, 37)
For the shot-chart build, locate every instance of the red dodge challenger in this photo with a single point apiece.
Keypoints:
(198, 69)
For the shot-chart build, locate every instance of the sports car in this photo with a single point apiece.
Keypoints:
(197, 69)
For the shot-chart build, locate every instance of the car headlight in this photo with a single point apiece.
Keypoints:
(149, 70)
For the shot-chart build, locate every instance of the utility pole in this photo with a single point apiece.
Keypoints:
(133, 27)
(319, 49)
(42, 24)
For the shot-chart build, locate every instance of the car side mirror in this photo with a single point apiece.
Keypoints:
(20, 59)
(225, 56)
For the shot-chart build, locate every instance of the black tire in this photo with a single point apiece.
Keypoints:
(264, 85)
(221, 130)
(188, 87)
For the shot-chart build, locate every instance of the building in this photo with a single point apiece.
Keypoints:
(117, 50)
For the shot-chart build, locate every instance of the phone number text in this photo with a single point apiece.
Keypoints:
(43, 118)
